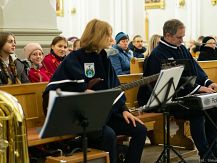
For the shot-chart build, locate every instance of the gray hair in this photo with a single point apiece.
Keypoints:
(171, 26)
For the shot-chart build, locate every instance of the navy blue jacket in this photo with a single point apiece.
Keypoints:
(166, 51)
(138, 53)
(207, 53)
(71, 76)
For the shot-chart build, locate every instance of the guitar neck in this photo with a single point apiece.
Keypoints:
(136, 83)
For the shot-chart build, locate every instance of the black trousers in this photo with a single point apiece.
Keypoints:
(211, 131)
(107, 138)
(137, 134)
(197, 125)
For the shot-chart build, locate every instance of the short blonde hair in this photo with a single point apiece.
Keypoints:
(95, 36)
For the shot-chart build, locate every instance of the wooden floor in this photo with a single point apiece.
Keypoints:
(152, 153)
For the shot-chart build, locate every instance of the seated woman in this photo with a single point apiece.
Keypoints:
(153, 42)
(37, 71)
(57, 54)
(121, 60)
(208, 49)
(12, 70)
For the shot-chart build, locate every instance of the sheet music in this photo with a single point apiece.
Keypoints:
(52, 98)
(165, 75)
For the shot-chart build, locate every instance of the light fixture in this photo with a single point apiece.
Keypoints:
(181, 3)
(213, 2)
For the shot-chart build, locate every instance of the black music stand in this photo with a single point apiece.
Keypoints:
(162, 94)
(80, 113)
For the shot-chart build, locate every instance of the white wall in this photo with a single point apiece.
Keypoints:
(197, 15)
(129, 16)
(123, 15)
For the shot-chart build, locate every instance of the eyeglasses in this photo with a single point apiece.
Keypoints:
(214, 43)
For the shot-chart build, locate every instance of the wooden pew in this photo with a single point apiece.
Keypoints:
(210, 67)
(30, 98)
(136, 65)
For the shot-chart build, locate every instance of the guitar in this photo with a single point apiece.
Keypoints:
(136, 83)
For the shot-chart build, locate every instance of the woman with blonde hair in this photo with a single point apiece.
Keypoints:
(153, 42)
(89, 69)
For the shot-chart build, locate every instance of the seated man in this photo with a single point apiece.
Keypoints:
(121, 60)
(137, 46)
(170, 47)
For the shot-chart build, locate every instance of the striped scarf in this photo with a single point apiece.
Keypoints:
(13, 70)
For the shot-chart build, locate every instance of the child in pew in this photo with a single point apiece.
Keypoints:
(37, 71)
(57, 54)
(12, 70)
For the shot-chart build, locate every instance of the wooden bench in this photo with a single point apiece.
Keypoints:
(136, 65)
(131, 101)
(94, 155)
(30, 98)
(210, 67)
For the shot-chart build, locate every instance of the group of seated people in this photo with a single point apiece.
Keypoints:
(36, 67)
(123, 51)
(92, 68)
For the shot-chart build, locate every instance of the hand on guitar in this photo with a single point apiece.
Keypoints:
(93, 82)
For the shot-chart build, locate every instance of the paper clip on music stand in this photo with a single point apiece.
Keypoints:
(76, 114)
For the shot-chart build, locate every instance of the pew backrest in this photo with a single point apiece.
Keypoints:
(30, 97)
(136, 65)
(131, 94)
(210, 67)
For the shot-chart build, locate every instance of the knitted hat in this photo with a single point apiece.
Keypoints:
(205, 39)
(30, 48)
(121, 36)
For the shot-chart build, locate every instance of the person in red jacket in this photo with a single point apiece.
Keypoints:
(34, 54)
(57, 54)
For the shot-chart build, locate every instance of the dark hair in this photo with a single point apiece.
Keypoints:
(4, 38)
(56, 40)
(171, 26)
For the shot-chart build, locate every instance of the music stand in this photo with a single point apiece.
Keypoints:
(162, 94)
(78, 113)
